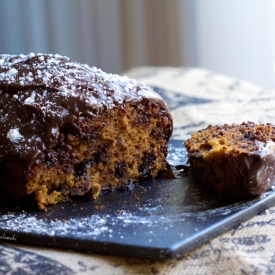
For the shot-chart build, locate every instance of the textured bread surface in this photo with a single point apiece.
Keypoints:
(237, 160)
(71, 130)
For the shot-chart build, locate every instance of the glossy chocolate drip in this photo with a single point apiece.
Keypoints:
(261, 175)
(250, 174)
(43, 96)
(174, 172)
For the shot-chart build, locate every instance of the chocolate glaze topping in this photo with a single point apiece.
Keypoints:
(42, 93)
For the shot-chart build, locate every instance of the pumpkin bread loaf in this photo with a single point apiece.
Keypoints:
(68, 129)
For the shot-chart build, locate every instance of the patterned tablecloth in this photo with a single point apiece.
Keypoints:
(196, 98)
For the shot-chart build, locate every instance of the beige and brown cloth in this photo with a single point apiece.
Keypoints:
(196, 98)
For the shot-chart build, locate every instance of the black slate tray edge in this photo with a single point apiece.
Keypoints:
(223, 226)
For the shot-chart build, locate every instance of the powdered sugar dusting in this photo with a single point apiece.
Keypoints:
(14, 135)
(266, 148)
(70, 79)
(29, 100)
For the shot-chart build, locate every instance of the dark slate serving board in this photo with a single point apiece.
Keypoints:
(160, 219)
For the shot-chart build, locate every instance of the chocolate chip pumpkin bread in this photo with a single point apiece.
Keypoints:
(237, 160)
(68, 129)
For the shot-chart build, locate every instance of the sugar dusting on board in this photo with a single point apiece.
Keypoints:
(177, 155)
(93, 225)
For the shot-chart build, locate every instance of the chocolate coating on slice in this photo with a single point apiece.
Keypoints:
(43, 95)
